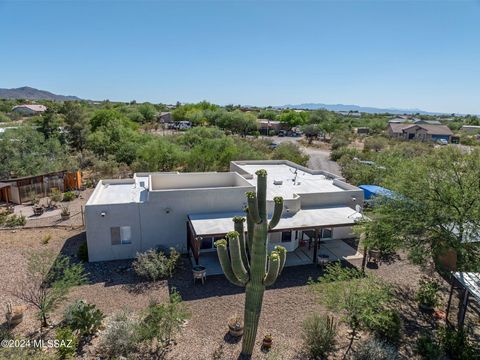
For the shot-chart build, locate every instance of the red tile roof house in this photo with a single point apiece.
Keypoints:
(27, 109)
(422, 132)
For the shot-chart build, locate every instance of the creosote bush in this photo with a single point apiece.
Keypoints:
(155, 265)
(163, 320)
(319, 334)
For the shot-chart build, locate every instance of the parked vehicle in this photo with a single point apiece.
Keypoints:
(281, 133)
(442, 142)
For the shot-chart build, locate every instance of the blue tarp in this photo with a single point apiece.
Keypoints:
(371, 191)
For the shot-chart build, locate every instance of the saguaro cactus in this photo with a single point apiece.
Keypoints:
(248, 264)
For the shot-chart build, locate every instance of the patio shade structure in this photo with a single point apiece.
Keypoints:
(470, 283)
(218, 224)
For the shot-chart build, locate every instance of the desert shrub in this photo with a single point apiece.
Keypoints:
(5, 333)
(343, 151)
(68, 342)
(15, 220)
(56, 195)
(84, 317)
(387, 325)
(46, 239)
(69, 196)
(427, 294)
(119, 337)
(456, 344)
(82, 253)
(376, 350)
(155, 265)
(428, 348)
(319, 335)
(163, 321)
(30, 353)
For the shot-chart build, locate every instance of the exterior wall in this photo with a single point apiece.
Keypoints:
(100, 247)
(343, 198)
(159, 222)
(165, 214)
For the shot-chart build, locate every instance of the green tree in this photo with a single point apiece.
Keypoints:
(437, 208)
(76, 124)
(49, 279)
(148, 112)
(49, 124)
(290, 151)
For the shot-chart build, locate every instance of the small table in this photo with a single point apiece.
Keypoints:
(199, 272)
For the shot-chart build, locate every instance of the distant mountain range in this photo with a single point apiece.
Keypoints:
(30, 93)
(366, 109)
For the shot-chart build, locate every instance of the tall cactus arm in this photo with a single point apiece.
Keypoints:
(277, 212)
(282, 253)
(273, 269)
(225, 262)
(238, 267)
(238, 225)
(262, 193)
(253, 207)
(250, 233)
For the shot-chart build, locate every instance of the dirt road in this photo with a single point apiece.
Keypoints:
(319, 158)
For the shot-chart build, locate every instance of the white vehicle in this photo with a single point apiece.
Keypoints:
(442, 141)
(183, 125)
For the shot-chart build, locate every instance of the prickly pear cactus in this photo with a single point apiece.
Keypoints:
(249, 264)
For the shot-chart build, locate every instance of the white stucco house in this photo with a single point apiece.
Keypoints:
(189, 211)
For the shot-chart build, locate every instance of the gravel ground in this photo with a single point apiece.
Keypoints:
(52, 217)
(114, 287)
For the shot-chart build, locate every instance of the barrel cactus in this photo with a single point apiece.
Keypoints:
(249, 264)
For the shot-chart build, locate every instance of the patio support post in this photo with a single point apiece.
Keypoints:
(463, 310)
(449, 301)
(315, 245)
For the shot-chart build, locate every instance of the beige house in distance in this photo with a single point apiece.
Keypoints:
(421, 132)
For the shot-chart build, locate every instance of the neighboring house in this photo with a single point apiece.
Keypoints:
(422, 132)
(21, 190)
(474, 129)
(190, 211)
(29, 109)
(266, 125)
(362, 130)
(165, 117)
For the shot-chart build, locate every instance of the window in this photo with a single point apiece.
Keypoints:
(327, 233)
(286, 236)
(121, 235)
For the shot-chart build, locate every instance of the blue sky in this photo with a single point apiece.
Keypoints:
(403, 54)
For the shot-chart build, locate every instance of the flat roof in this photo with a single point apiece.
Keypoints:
(117, 193)
(222, 223)
(287, 181)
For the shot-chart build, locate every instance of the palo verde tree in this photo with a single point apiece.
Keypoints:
(248, 258)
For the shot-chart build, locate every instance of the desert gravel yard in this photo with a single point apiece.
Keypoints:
(113, 287)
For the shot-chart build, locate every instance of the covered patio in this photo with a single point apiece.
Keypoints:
(307, 235)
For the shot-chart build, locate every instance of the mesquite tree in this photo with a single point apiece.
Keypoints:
(248, 264)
